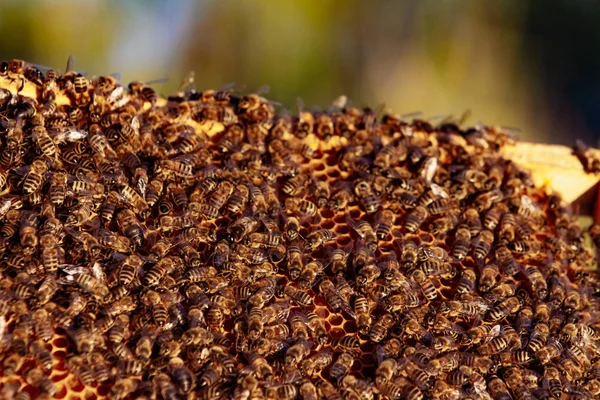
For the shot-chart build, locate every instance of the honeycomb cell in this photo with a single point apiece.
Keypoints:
(333, 173)
(318, 166)
(90, 396)
(60, 342)
(336, 332)
(349, 327)
(322, 312)
(342, 229)
(103, 390)
(61, 393)
(327, 214)
(75, 384)
(327, 224)
(336, 320)
(343, 240)
(355, 213)
(340, 218)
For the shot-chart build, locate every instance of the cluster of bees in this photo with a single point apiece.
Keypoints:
(205, 246)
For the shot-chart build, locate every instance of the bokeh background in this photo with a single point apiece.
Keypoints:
(534, 65)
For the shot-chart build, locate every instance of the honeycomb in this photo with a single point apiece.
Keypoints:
(206, 246)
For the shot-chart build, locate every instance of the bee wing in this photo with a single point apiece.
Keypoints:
(98, 271)
(23, 171)
(72, 270)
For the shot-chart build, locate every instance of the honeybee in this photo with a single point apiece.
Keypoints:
(35, 177)
(130, 226)
(484, 245)
(365, 231)
(241, 227)
(333, 297)
(298, 296)
(340, 199)
(380, 328)
(319, 238)
(309, 274)
(238, 198)
(304, 207)
(415, 218)
(363, 315)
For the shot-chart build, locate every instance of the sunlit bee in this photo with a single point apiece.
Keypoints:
(427, 286)
(365, 231)
(415, 218)
(333, 297)
(462, 242)
(484, 245)
(467, 280)
(507, 307)
(238, 198)
(319, 238)
(305, 207)
(380, 328)
(80, 215)
(299, 296)
(309, 274)
(130, 226)
(34, 179)
(363, 315)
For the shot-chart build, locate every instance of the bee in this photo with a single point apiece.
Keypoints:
(309, 274)
(319, 238)
(130, 226)
(426, 285)
(366, 196)
(467, 281)
(43, 356)
(363, 315)
(304, 207)
(538, 283)
(240, 228)
(87, 283)
(318, 328)
(340, 200)
(385, 371)
(296, 353)
(35, 177)
(380, 328)
(550, 351)
(322, 194)
(238, 198)
(45, 143)
(415, 218)
(264, 240)
(484, 245)
(507, 307)
(39, 380)
(365, 231)
(298, 296)
(333, 297)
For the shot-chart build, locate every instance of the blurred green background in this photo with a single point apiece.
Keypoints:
(527, 64)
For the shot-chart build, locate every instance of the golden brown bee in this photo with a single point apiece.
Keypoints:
(319, 238)
(299, 296)
(35, 177)
(130, 226)
(415, 218)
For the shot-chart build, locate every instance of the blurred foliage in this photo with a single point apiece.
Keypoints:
(526, 64)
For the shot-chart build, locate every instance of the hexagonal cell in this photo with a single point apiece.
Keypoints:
(333, 173)
(336, 320)
(343, 240)
(327, 213)
(318, 166)
(60, 342)
(90, 396)
(75, 384)
(327, 224)
(349, 326)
